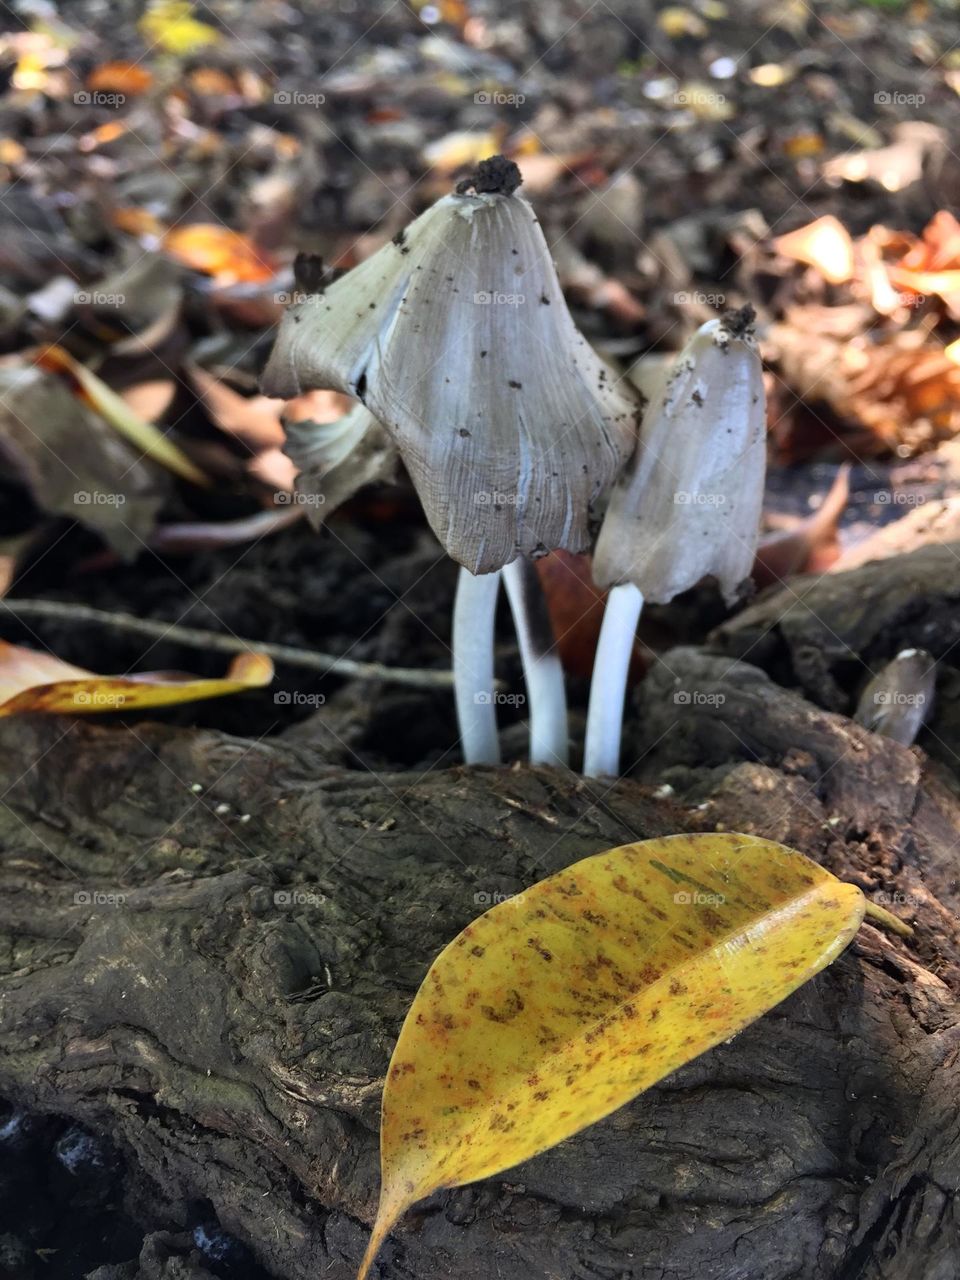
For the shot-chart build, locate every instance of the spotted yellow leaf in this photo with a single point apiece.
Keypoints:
(558, 1006)
(34, 681)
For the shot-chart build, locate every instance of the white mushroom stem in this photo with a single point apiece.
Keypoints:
(542, 670)
(474, 614)
(608, 688)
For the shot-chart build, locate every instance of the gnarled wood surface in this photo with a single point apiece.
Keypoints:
(218, 994)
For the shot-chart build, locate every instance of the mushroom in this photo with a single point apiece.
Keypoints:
(687, 506)
(457, 339)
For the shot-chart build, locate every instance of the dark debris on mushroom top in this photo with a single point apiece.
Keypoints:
(739, 322)
(494, 176)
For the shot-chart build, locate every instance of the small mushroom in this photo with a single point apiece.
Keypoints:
(898, 699)
(457, 339)
(687, 506)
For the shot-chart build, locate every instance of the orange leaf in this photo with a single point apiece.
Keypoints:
(137, 222)
(120, 77)
(220, 252)
(31, 680)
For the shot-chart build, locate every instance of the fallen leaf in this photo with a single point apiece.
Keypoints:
(557, 1007)
(32, 681)
(129, 78)
(210, 82)
(255, 420)
(771, 75)
(137, 222)
(147, 438)
(811, 545)
(227, 255)
(803, 144)
(896, 166)
(575, 604)
(901, 388)
(149, 400)
(676, 21)
(461, 150)
(171, 25)
(73, 463)
(824, 244)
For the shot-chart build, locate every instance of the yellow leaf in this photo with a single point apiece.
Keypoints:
(458, 150)
(31, 680)
(677, 22)
(563, 1003)
(804, 144)
(171, 25)
(148, 438)
(770, 75)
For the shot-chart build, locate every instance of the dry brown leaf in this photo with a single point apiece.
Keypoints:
(255, 420)
(902, 389)
(894, 167)
(150, 400)
(824, 244)
(810, 545)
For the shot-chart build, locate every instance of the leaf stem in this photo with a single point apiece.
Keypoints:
(887, 920)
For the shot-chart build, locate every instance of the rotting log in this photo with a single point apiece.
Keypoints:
(218, 995)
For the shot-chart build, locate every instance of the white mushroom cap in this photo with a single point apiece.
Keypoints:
(690, 502)
(457, 338)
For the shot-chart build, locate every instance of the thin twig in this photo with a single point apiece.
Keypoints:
(325, 663)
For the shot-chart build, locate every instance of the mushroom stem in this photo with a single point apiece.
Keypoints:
(608, 688)
(474, 614)
(542, 670)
